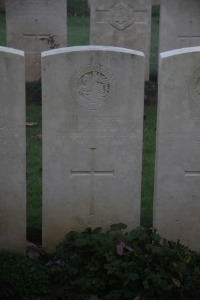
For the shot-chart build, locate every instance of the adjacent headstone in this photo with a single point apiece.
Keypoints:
(179, 24)
(12, 151)
(177, 193)
(120, 23)
(35, 26)
(92, 139)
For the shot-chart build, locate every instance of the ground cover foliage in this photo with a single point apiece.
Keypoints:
(113, 265)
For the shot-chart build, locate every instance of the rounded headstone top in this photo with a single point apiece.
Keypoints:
(92, 48)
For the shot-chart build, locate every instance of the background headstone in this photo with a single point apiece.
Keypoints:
(123, 24)
(92, 139)
(179, 24)
(12, 151)
(177, 179)
(35, 26)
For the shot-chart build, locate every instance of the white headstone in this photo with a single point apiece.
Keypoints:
(92, 139)
(177, 193)
(179, 24)
(35, 26)
(120, 23)
(12, 151)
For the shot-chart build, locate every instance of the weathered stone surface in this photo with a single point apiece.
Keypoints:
(179, 24)
(123, 24)
(177, 193)
(35, 26)
(155, 2)
(12, 151)
(92, 139)
(2, 4)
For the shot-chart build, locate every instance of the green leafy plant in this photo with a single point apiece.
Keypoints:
(113, 265)
(121, 265)
(21, 277)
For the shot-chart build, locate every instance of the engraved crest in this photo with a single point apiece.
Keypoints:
(121, 16)
(194, 86)
(93, 86)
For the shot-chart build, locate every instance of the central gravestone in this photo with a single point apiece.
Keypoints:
(35, 26)
(124, 23)
(92, 139)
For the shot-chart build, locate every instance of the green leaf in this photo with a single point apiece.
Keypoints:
(119, 226)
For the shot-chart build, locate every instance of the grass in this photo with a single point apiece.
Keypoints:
(34, 173)
(154, 42)
(78, 31)
(78, 34)
(148, 165)
(2, 29)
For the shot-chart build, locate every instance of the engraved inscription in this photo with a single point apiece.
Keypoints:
(93, 86)
(98, 125)
(4, 133)
(188, 40)
(191, 18)
(93, 221)
(192, 173)
(194, 87)
(92, 172)
(121, 16)
(105, 130)
(100, 141)
(34, 9)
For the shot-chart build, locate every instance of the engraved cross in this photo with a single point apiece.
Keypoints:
(92, 173)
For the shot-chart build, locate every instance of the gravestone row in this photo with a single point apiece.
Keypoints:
(92, 146)
(34, 26)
